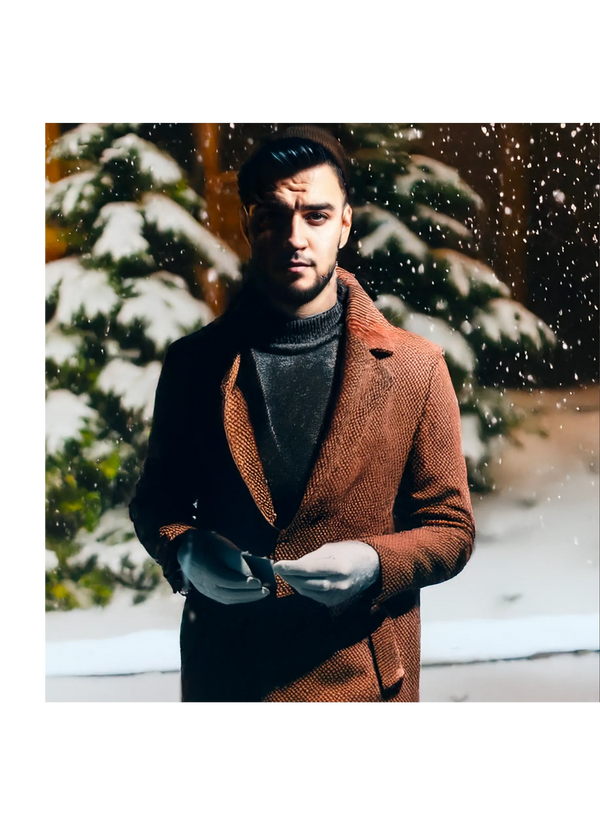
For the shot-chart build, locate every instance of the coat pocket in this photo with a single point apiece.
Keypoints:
(387, 657)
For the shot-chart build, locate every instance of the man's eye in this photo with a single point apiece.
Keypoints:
(316, 216)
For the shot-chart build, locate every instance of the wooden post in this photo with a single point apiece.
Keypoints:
(55, 246)
(222, 206)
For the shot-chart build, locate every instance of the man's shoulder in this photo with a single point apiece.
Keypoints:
(366, 320)
(409, 343)
(203, 339)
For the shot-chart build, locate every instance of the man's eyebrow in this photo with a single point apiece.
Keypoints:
(304, 207)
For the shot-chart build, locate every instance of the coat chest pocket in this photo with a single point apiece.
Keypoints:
(387, 657)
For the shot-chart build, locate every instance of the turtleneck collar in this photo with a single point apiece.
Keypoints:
(269, 328)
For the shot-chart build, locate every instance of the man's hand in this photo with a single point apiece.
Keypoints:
(333, 573)
(217, 569)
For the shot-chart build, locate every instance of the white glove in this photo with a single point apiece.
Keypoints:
(216, 568)
(333, 573)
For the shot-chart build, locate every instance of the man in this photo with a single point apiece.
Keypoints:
(300, 432)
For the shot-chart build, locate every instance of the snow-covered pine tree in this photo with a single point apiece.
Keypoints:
(124, 290)
(416, 251)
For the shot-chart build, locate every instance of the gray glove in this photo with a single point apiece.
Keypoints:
(334, 573)
(217, 569)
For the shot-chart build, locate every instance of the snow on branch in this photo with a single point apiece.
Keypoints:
(112, 541)
(165, 307)
(425, 170)
(473, 447)
(78, 143)
(442, 221)
(121, 239)
(62, 347)
(508, 320)
(67, 415)
(387, 233)
(135, 385)
(73, 196)
(159, 166)
(171, 219)
(61, 270)
(469, 277)
(79, 289)
(455, 347)
(86, 141)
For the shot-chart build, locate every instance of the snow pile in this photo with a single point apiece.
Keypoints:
(472, 640)
(478, 640)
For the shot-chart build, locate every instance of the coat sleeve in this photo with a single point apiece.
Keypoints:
(433, 502)
(162, 508)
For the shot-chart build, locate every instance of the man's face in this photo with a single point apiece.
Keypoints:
(295, 234)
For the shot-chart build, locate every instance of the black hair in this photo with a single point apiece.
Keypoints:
(279, 158)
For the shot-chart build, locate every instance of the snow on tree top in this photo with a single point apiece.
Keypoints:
(164, 305)
(122, 233)
(170, 218)
(67, 415)
(159, 165)
(389, 231)
(135, 385)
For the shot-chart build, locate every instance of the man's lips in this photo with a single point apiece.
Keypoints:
(296, 267)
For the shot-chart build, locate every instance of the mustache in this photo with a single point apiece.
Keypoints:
(292, 260)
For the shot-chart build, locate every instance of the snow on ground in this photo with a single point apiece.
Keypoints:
(531, 586)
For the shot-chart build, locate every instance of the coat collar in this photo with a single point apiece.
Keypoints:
(368, 339)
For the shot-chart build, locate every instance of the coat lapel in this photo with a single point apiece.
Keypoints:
(365, 380)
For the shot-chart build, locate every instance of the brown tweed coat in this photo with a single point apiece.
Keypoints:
(390, 472)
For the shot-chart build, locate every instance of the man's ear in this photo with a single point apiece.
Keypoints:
(244, 223)
(346, 225)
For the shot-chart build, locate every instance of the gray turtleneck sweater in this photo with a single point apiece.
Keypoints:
(288, 378)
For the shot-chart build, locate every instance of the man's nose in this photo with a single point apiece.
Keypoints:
(296, 233)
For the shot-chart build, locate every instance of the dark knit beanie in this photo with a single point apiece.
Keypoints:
(322, 137)
(264, 163)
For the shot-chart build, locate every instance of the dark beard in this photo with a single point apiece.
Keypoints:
(288, 295)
